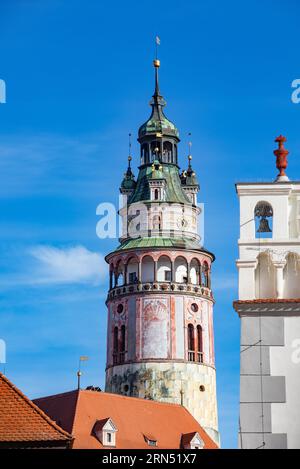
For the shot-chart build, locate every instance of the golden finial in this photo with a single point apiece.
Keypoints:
(156, 63)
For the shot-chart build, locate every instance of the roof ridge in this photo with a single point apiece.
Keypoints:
(56, 395)
(131, 397)
(34, 406)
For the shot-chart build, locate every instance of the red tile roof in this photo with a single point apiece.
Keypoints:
(133, 417)
(22, 421)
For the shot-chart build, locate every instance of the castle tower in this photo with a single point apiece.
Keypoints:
(269, 309)
(160, 304)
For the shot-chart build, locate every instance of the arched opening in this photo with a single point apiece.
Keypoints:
(147, 269)
(263, 214)
(291, 276)
(155, 150)
(199, 344)
(156, 221)
(167, 152)
(144, 153)
(156, 194)
(265, 286)
(191, 343)
(115, 345)
(132, 270)
(120, 280)
(181, 270)
(122, 345)
(205, 280)
(164, 269)
(195, 272)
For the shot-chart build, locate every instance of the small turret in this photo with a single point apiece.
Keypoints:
(189, 180)
(129, 183)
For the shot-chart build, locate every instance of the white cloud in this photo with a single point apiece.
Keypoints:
(67, 265)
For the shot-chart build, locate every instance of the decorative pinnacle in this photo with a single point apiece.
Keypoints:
(281, 158)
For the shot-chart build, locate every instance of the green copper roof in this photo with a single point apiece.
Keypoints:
(129, 182)
(159, 243)
(174, 191)
(158, 122)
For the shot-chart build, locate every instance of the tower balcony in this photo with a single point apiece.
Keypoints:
(160, 287)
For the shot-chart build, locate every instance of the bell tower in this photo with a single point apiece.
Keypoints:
(160, 341)
(269, 309)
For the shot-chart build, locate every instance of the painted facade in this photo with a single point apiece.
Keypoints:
(160, 302)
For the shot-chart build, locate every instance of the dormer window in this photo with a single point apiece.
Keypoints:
(150, 440)
(105, 431)
(192, 441)
(157, 189)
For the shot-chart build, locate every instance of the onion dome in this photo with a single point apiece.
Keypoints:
(158, 122)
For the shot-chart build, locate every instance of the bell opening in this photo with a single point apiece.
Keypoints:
(263, 215)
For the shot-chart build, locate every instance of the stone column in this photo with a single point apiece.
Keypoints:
(188, 272)
(155, 271)
(125, 275)
(172, 271)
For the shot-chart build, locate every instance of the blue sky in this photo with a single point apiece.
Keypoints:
(79, 77)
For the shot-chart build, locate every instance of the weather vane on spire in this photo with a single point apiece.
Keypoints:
(157, 43)
(156, 61)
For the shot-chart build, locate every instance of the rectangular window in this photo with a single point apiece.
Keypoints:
(132, 277)
(167, 275)
(109, 438)
(152, 442)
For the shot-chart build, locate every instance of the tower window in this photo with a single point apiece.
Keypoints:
(191, 343)
(205, 275)
(132, 277)
(167, 275)
(115, 345)
(122, 345)
(199, 344)
(167, 152)
(156, 194)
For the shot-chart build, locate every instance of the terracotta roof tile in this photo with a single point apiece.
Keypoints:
(132, 416)
(22, 421)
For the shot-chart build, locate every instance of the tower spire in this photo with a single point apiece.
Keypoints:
(156, 63)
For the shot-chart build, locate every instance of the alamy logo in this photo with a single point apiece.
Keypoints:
(2, 92)
(2, 351)
(296, 93)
